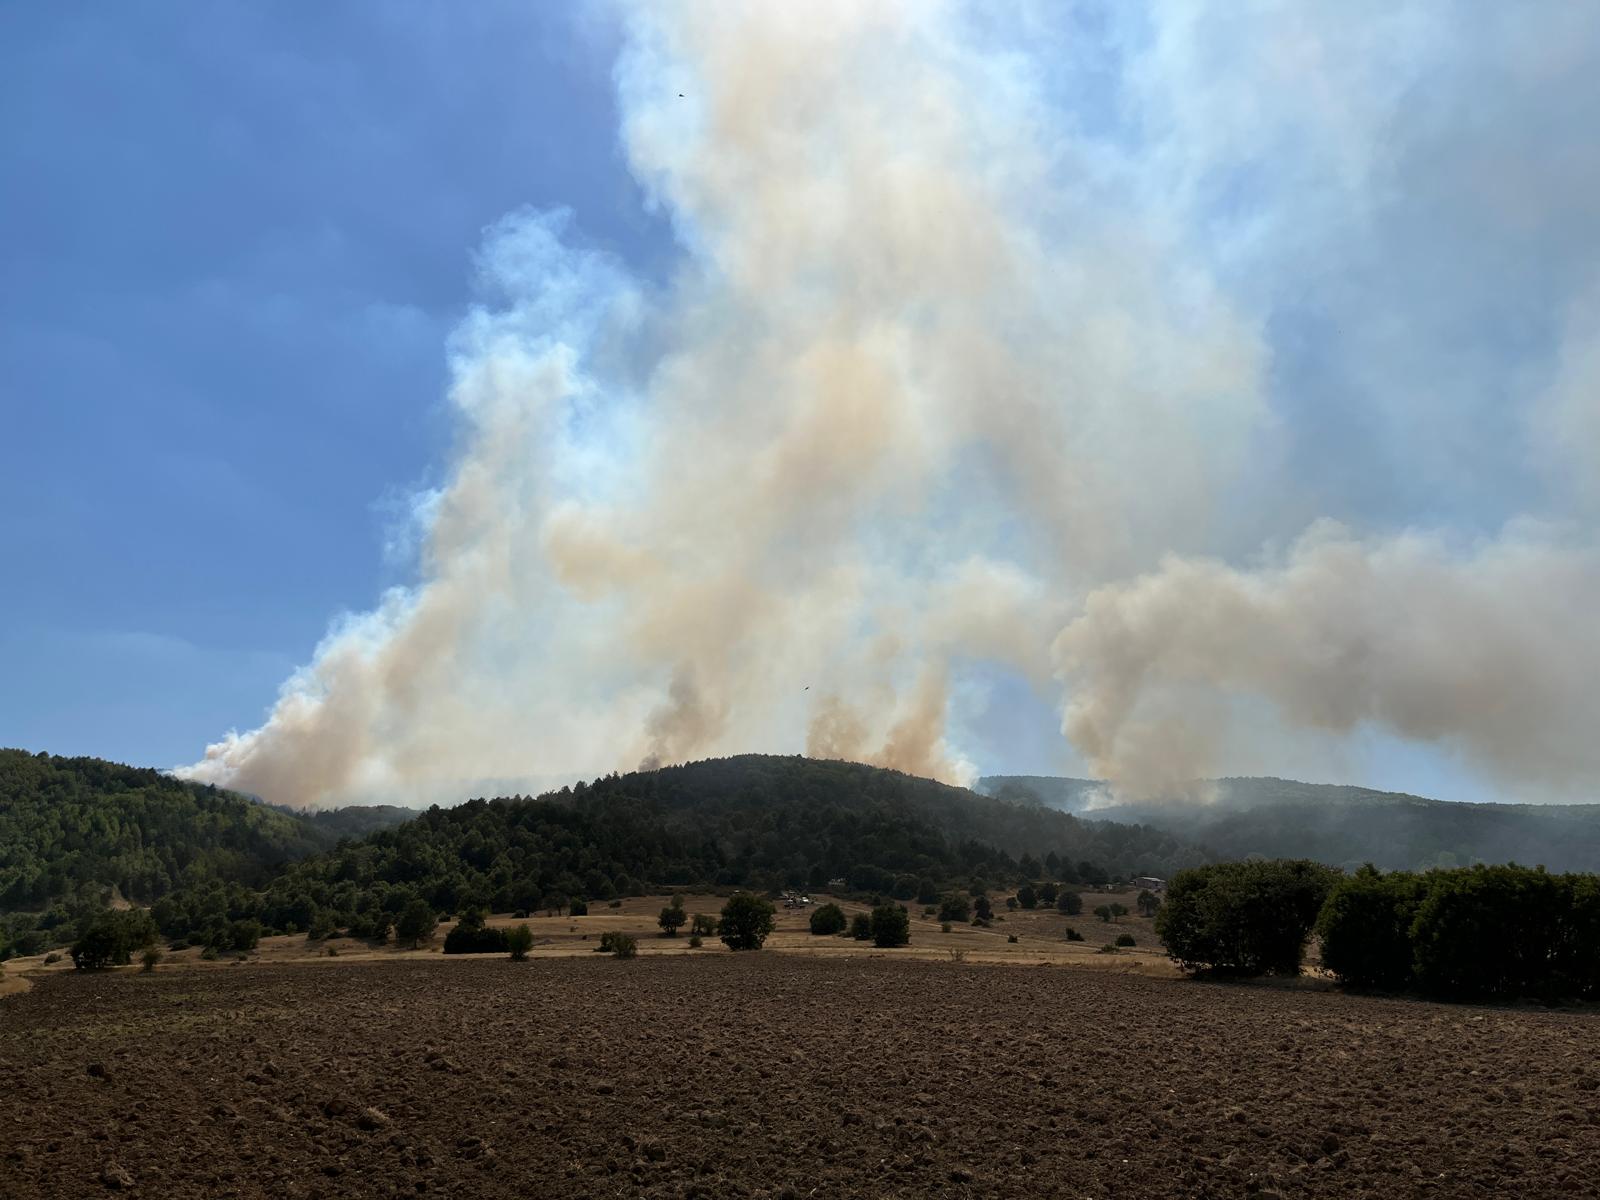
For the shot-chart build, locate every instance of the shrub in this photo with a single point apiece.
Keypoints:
(861, 927)
(703, 924)
(622, 945)
(1103, 912)
(944, 927)
(52, 957)
(518, 942)
(1011, 903)
(955, 907)
(1244, 918)
(578, 908)
(1073, 935)
(746, 922)
(416, 923)
(1108, 948)
(615, 904)
(333, 952)
(471, 936)
(891, 926)
(149, 959)
(696, 941)
(1027, 897)
(244, 935)
(957, 955)
(209, 954)
(1011, 938)
(1069, 903)
(1126, 939)
(828, 920)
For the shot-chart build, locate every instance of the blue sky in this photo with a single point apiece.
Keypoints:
(236, 238)
(282, 281)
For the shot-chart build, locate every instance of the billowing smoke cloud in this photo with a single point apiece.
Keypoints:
(941, 369)
(1493, 650)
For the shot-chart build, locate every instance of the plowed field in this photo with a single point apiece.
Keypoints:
(776, 1075)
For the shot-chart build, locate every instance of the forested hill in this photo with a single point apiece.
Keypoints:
(1348, 826)
(72, 829)
(753, 821)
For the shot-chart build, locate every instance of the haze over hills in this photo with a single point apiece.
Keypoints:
(1344, 825)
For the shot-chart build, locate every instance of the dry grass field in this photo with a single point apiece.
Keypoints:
(836, 1073)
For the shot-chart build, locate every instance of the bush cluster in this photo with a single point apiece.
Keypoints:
(746, 921)
(828, 920)
(1243, 918)
(622, 945)
(472, 936)
(891, 925)
(112, 938)
(1474, 933)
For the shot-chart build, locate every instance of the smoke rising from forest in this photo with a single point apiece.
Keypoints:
(941, 379)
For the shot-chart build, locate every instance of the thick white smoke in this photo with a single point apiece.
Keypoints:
(934, 368)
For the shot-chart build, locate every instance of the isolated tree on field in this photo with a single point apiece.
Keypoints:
(672, 917)
(1103, 912)
(1027, 897)
(519, 941)
(891, 925)
(703, 925)
(1118, 910)
(828, 920)
(1148, 903)
(982, 908)
(746, 922)
(1069, 903)
(1048, 892)
(416, 923)
(955, 907)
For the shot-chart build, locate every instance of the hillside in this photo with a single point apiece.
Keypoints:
(1347, 826)
(751, 821)
(72, 829)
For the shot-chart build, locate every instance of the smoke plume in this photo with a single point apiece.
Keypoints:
(939, 380)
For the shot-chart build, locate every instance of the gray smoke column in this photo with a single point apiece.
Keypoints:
(939, 380)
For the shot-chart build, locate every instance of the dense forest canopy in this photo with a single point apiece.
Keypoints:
(74, 829)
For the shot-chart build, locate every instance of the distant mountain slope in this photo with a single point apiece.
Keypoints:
(71, 829)
(1347, 826)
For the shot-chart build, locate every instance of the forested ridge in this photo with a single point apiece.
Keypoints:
(74, 829)
(1348, 826)
(752, 821)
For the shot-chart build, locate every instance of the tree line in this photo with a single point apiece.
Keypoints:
(1471, 933)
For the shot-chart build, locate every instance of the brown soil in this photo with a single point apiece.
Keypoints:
(783, 1075)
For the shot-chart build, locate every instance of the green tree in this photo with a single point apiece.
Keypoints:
(1027, 897)
(519, 940)
(672, 917)
(747, 920)
(1069, 903)
(416, 923)
(1148, 903)
(955, 907)
(982, 908)
(828, 920)
(1245, 918)
(891, 925)
(861, 927)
